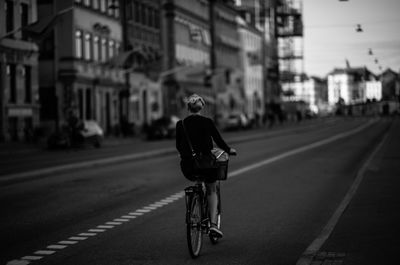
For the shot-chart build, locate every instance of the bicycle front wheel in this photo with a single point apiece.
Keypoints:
(193, 226)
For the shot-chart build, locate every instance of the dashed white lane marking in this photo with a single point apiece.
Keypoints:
(143, 211)
(79, 238)
(129, 216)
(172, 198)
(18, 262)
(105, 226)
(32, 257)
(67, 242)
(113, 223)
(96, 230)
(136, 213)
(56, 247)
(87, 234)
(44, 252)
(150, 208)
(121, 220)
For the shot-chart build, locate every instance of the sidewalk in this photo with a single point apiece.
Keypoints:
(368, 232)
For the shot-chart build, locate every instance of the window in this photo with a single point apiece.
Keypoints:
(78, 44)
(88, 46)
(117, 47)
(104, 50)
(96, 4)
(96, 48)
(157, 19)
(150, 13)
(80, 104)
(47, 47)
(12, 82)
(138, 10)
(110, 10)
(9, 15)
(111, 47)
(144, 15)
(88, 104)
(78, 1)
(116, 12)
(28, 84)
(87, 2)
(103, 6)
(129, 11)
(24, 17)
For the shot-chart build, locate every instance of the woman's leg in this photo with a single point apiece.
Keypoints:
(212, 200)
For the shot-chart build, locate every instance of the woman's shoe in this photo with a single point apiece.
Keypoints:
(215, 232)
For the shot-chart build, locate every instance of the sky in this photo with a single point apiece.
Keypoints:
(330, 37)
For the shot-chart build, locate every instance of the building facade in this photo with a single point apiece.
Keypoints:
(144, 46)
(390, 85)
(349, 85)
(19, 99)
(75, 71)
(251, 58)
(312, 91)
(187, 47)
(228, 73)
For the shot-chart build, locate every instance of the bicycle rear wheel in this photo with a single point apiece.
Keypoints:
(194, 233)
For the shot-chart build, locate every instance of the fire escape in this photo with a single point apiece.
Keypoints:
(289, 21)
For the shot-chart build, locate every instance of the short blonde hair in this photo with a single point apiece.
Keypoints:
(195, 103)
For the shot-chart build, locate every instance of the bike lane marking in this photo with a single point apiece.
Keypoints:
(176, 196)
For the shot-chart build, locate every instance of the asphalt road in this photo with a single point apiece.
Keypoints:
(124, 213)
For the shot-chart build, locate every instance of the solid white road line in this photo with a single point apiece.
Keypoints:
(308, 255)
(299, 150)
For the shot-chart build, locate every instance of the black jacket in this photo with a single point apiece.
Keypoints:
(201, 132)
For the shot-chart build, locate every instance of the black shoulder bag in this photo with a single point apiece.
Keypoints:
(202, 163)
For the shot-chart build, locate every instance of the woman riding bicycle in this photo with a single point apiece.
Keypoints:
(201, 131)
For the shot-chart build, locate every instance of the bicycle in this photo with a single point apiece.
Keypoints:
(198, 220)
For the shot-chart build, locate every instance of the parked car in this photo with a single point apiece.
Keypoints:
(236, 121)
(164, 127)
(87, 133)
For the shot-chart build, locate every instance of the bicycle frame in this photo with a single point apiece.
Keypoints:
(202, 225)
